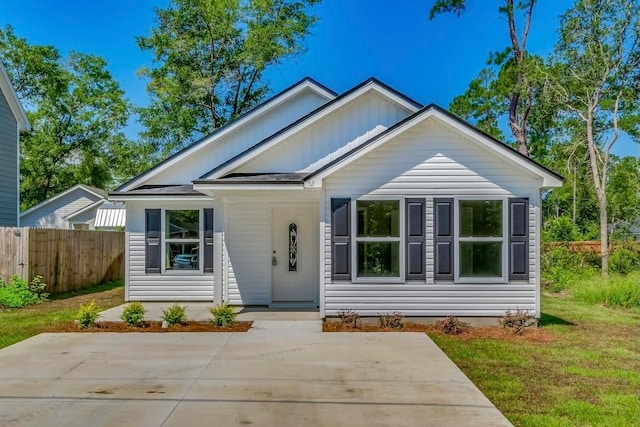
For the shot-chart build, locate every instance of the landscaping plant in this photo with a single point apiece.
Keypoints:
(349, 318)
(88, 314)
(133, 314)
(19, 293)
(452, 326)
(517, 321)
(174, 315)
(391, 320)
(222, 314)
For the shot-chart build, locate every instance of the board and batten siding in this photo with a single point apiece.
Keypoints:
(247, 242)
(323, 141)
(8, 166)
(171, 286)
(432, 160)
(212, 154)
(52, 215)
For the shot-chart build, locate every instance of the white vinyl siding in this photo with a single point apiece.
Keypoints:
(431, 161)
(8, 166)
(176, 286)
(323, 141)
(218, 151)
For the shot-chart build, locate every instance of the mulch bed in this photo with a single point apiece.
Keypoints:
(154, 327)
(484, 332)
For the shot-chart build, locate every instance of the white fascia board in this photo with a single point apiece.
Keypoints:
(155, 198)
(247, 187)
(14, 102)
(371, 86)
(59, 195)
(547, 179)
(306, 85)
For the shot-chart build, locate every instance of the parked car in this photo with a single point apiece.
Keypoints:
(186, 261)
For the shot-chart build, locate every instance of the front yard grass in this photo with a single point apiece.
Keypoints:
(19, 324)
(588, 376)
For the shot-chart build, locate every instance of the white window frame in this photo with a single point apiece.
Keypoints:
(457, 239)
(164, 241)
(355, 239)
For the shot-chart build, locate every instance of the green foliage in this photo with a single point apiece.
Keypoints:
(223, 315)
(562, 266)
(19, 293)
(451, 325)
(391, 320)
(517, 321)
(133, 314)
(625, 259)
(209, 60)
(174, 315)
(88, 314)
(77, 111)
(560, 229)
(616, 291)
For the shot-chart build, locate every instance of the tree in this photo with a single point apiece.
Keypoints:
(209, 60)
(77, 111)
(594, 76)
(513, 80)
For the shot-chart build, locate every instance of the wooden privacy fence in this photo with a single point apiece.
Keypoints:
(66, 259)
(588, 245)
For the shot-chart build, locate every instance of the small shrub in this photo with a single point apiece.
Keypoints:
(452, 326)
(349, 318)
(133, 314)
(19, 293)
(88, 314)
(222, 314)
(517, 321)
(174, 315)
(624, 260)
(391, 320)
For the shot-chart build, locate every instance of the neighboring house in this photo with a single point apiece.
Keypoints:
(366, 201)
(81, 207)
(13, 120)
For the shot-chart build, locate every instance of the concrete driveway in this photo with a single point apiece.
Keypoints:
(279, 373)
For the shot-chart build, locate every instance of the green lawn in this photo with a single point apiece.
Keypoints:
(589, 376)
(20, 324)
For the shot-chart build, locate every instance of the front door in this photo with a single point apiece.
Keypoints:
(293, 256)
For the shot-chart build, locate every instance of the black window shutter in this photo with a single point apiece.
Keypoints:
(153, 252)
(208, 241)
(415, 230)
(443, 239)
(518, 239)
(341, 239)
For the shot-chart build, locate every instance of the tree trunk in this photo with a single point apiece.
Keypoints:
(599, 181)
(575, 194)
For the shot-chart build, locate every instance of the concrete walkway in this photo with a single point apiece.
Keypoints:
(199, 312)
(279, 373)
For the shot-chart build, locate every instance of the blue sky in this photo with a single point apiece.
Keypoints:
(430, 61)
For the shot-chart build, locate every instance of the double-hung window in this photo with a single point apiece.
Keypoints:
(377, 239)
(481, 239)
(182, 239)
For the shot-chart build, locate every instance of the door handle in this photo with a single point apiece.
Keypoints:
(274, 260)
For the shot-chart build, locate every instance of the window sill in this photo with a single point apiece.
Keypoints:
(378, 280)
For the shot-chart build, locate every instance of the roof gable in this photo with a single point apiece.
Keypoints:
(12, 99)
(549, 178)
(80, 188)
(364, 88)
(288, 94)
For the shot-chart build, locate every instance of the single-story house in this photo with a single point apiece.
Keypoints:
(81, 207)
(13, 120)
(365, 200)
